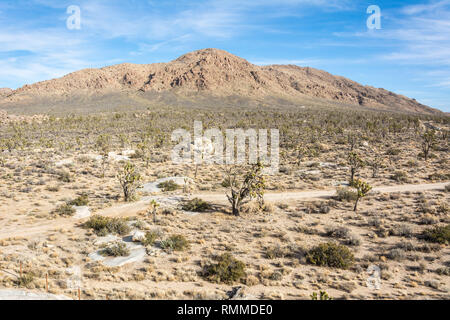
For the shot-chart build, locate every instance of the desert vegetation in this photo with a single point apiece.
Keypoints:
(191, 241)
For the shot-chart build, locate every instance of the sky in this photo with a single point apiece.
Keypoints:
(409, 54)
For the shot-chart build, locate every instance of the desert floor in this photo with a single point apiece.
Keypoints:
(302, 210)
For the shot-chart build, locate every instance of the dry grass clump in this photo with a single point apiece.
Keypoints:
(150, 238)
(175, 243)
(25, 280)
(64, 210)
(105, 225)
(168, 186)
(80, 201)
(346, 194)
(118, 249)
(196, 205)
(276, 251)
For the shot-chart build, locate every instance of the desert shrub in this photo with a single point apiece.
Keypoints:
(447, 188)
(64, 210)
(317, 207)
(346, 194)
(64, 176)
(439, 176)
(105, 225)
(227, 270)
(80, 201)
(353, 240)
(150, 238)
(276, 252)
(24, 280)
(426, 207)
(282, 206)
(338, 232)
(397, 254)
(118, 249)
(52, 188)
(443, 271)
(393, 151)
(196, 205)
(438, 234)
(330, 255)
(403, 230)
(400, 176)
(175, 243)
(443, 208)
(168, 186)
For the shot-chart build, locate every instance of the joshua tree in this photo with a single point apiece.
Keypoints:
(244, 189)
(153, 206)
(129, 179)
(428, 141)
(144, 151)
(376, 164)
(362, 189)
(355, 164)
(352, 140)
(103, 144)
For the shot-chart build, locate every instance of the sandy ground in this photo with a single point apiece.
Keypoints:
(131, 209)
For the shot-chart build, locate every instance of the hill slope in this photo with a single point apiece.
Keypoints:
(211, 72)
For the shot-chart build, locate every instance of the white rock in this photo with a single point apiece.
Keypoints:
(63, 162)
(128, 152)
(82, 212)
(138, 236)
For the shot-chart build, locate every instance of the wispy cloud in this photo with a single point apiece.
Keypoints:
(147, 26)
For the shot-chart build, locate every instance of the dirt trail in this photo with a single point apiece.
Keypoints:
(301, 195)
(131, 209)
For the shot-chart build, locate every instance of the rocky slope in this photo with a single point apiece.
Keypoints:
(216, 73)
(4, 92)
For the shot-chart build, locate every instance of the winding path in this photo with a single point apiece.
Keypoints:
(131, 209)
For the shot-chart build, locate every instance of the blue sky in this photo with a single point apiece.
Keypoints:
(409, 55)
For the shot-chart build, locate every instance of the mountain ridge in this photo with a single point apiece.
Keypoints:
(217, 73)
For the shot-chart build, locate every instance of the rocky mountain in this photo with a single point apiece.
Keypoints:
(216, 73)
(4, 92)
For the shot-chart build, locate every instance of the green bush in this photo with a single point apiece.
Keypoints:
(346, 194)
(438, 234)
(168, 186)
(400, 176)
(80, 201)
(65, 210)
(118, 249)
(330, 255)
(226, 270)
(150, 238)
(25, 280)
(276, 252)
(175, 243)
(196, 205)
(105, 225)
(64, 176)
